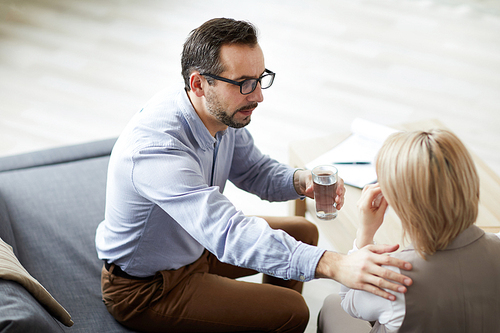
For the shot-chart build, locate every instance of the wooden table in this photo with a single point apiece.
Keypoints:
(341, 232)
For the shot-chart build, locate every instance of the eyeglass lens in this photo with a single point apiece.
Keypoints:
(249, 85)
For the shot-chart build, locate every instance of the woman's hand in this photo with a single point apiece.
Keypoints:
(372, 206)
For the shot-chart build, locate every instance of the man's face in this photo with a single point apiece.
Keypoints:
(224, 102)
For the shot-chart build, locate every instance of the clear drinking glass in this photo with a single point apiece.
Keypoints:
(325, 179)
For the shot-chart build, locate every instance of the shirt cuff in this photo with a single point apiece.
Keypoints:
(305, 259)
(355, 248)
(290, 191)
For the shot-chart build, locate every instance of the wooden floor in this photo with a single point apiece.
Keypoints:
(76, 71)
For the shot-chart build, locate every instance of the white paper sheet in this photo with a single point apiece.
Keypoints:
(361, 146)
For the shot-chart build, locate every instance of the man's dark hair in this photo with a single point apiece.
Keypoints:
(202, 47)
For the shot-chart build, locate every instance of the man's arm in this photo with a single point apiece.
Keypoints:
(362, 270)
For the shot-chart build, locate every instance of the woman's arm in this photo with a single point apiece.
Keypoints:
(360, 304)
(367, 268)
(372, 206)
(364, 305)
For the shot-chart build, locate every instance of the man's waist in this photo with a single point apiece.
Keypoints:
(116, 270)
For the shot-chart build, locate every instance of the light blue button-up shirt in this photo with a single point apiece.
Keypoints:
(164, 201)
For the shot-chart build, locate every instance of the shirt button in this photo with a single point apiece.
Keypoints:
(302, 278)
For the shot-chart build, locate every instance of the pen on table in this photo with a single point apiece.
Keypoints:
(351, 162)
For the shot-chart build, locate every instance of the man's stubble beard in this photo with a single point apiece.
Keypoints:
(215, 108)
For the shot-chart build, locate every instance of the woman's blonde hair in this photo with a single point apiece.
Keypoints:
(430, 180)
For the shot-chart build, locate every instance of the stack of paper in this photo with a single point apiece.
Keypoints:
(360, 147)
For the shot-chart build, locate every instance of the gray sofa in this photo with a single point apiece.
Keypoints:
(51, 202)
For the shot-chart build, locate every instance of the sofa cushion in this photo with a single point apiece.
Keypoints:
(6, 232)
(11, 269)
(20, 312)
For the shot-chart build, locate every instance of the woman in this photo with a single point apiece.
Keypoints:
(430, 181)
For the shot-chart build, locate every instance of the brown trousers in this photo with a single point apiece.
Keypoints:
(205, 297)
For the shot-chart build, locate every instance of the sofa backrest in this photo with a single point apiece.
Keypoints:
(57, 155)
(50, 205)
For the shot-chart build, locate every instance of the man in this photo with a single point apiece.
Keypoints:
(173, 244)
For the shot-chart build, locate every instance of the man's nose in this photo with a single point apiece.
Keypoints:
(256, 95)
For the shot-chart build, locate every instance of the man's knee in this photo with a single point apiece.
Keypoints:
(296, 313)
(297, 227)
(309, 231)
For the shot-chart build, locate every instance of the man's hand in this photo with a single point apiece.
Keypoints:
(362, 270)
(302, 181)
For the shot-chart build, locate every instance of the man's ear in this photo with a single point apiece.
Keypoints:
(196, 82)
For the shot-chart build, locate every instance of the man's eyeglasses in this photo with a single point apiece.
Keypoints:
(248, 86)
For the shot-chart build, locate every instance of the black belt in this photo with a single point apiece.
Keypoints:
(118, 272)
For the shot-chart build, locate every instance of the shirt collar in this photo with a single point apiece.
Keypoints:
(200, 132)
